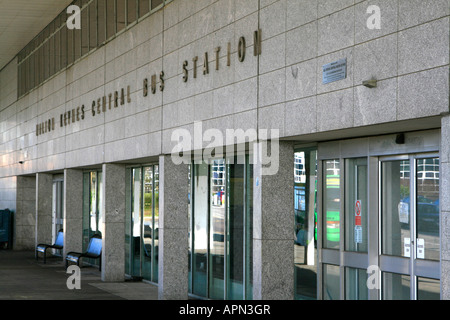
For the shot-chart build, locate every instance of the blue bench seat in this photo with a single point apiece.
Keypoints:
(94, 251)
(42, 247)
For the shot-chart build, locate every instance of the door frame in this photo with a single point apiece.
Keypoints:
(410, 266)
(420, 144)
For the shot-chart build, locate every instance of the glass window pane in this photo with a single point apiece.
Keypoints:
(131, 11)
(235, 239)
(144, 7)
(200, 227)
(76, 46)
(155, 258)
(428, 210)
(356, 284)
(395, 208)
(36, 67)
(331, 204)
(128, 236)
(356, 214)
(51, 56)
(249, 230)
(41, 64)
(93, 203)
(99, 202)
(331, 287)
(86, 210)
(25, 67)
(32, 68)
(190, 215)
(110, 19)
(101, 21)
(84, 32)
(217, 229)
(395, 286)
(156, 3)
(305, 252)
(93, 25)
(136, 223)
(46, 55)
(120, 15)
(64, 46)
(428, 289)
(148, 223)
(20, 76)
(57, 51)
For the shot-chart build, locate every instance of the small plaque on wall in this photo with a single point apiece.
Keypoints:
(334, 71)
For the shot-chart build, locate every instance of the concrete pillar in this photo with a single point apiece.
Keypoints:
(44, 194)
(25, 216)
(444, 198)
(173, 230)
(113, 210)
(73, 211)
(273, 222)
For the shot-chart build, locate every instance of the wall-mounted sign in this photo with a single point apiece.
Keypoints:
(334, 71)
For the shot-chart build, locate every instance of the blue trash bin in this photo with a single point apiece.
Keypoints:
(5, 229)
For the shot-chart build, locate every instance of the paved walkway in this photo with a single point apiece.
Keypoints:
(24, 278)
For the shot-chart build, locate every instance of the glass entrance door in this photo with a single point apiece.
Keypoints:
(142, 223)
(57, 210)
(409, 205)
(221, 229)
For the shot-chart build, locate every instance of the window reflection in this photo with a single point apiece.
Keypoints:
(221, 220)
(331, 204)
(428, 208)
(142, 223)
(305, 230)
(395, 208)
(428, 289)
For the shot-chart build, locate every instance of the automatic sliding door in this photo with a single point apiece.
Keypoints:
(199, 264)
(221, 229)
(218, 197)
(410, 228)
(136, 217)
(141, 235)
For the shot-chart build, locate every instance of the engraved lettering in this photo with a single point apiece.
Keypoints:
(195, 66)
(217, 51)
(185, 71)
(241, 49)
(205, 64)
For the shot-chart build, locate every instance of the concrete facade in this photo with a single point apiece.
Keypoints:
(280, 88)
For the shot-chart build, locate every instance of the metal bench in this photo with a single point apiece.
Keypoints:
(94, 251)
(42, 247)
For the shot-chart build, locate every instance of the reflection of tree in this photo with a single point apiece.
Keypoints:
(404, 190)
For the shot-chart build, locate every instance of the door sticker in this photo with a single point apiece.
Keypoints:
(407, 247)
(358, 225)
(403, 212)
(420, 248)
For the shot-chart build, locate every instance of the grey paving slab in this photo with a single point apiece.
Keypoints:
(24, 278)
